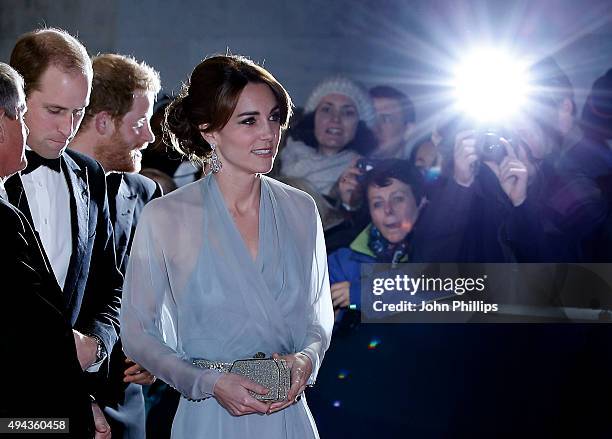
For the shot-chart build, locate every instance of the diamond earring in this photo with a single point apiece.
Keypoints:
(214, 162)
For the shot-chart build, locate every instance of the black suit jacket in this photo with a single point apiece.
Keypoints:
(92, 292)
(41, 373)
(127, 194)
(126, 204)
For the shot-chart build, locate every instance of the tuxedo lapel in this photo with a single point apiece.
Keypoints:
(18, 198)
(17, 195)
(39, 259)
(77, 181)
(125, 206)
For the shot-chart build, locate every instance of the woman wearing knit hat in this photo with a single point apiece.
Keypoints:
(336, 128)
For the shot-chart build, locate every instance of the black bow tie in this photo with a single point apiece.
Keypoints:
(34, 161)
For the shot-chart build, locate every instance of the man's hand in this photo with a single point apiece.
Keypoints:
(341, 294)
(86, 348)
(512, 175)
(466, 157)
(103, 430)
(301, 368)
(135, 373)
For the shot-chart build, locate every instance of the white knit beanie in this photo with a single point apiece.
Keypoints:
(343, 86)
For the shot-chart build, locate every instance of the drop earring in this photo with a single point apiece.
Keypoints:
(214, 162)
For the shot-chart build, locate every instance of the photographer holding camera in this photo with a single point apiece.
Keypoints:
(481, 211)
(518, 200)
(511, 172)
(394, 131)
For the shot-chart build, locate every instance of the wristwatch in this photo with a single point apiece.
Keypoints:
(100, 352)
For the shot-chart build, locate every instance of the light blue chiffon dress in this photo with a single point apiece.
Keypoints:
(192, 290)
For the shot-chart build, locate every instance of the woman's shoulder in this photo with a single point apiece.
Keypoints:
(289, 194)
(296, 149)
(173, 203)
(345, 263)
(286, 190)
(348, 155)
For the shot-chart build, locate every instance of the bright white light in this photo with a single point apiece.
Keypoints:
(490, 86)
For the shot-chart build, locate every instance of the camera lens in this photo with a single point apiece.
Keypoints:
(491, 148)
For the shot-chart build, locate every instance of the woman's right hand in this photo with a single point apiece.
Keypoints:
(232, 392)
(465, 156)
(348, 184)
(341, 294)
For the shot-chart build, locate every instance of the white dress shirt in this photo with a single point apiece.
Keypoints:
(3, 193)
(49, 202)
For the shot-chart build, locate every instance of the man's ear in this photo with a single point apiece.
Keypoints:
(566, 106)
(104, 123)
(3, 118)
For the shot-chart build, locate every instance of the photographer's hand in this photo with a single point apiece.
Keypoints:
(341, 294)
(465, 158)
(523, 157)
(512, 175)
(348, 184)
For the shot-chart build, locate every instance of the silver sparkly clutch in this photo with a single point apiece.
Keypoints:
(271, 373)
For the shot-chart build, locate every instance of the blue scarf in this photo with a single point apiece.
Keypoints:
(383, 250)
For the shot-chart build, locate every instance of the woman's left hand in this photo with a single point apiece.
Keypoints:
(301, 368)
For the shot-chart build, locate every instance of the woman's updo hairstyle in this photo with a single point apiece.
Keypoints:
(210, 97)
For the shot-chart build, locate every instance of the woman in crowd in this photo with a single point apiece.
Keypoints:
(597, 110)
(595, 156)
(394, 194)
(230, 265)
(334, 131)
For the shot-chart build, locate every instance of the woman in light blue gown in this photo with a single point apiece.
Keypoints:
(230, 265)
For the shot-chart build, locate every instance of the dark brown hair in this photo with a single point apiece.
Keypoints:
(116, 78)
(401, 170)
(385, 91)
(35, 51)
(210, 97)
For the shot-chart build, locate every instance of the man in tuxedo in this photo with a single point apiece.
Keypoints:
(64, 193)
(115, 129)
(32, 299)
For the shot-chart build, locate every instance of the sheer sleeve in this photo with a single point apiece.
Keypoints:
(318, 334)
(149, 317)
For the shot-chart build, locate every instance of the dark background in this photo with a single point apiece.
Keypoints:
(409, 44)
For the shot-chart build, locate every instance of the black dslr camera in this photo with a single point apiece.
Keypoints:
(489, 146)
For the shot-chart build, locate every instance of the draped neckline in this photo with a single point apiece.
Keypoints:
(236, 231)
